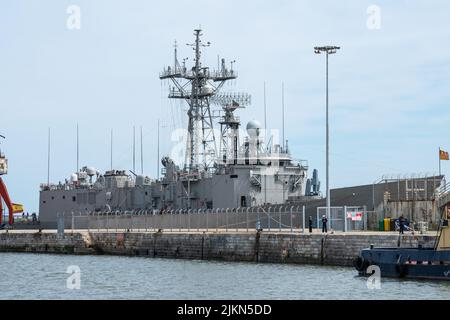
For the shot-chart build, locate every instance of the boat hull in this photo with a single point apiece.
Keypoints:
(409, 263)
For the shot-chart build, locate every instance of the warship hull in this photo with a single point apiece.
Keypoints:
(233, 169)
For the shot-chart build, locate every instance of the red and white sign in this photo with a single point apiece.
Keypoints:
(355, 215)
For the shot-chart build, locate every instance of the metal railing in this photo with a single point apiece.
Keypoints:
(272, 219)
(443, 194)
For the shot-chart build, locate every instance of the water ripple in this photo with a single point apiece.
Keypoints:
(39, 276)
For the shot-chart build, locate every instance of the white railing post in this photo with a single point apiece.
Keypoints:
(318, 221)
(217, 219)
(226, 220)
(236, 219)
(152, 220)
(268, 220)
(303, 219)
(365, 218)
(189, 220)
(131, 221)
(258, 219)
(345, 218)
(146, 220)
(279, 216)
(290, 217)
(246, 218)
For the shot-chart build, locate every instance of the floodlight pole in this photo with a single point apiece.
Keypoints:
(328, 154)
(328, 50)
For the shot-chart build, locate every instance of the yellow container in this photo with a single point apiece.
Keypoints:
(387, 224)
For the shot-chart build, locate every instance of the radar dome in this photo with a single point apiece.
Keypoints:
(91, 171)
(207, 90)
(253, 126)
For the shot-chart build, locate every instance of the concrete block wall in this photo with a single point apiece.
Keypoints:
(44, 243)
(331, 249)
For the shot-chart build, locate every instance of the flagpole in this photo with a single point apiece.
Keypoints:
(439, 161)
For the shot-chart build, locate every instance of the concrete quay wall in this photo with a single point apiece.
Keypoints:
(333, 249)
(40, 242)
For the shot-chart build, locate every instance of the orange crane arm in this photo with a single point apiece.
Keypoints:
(4, 194)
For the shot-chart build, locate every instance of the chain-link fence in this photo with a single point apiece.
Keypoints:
(343, 218)
(284, 218)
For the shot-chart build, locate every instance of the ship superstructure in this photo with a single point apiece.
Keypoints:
(239, 168)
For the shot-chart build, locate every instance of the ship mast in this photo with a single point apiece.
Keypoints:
(197, 86)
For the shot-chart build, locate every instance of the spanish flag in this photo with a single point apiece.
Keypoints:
(443, 155)
(17, 208)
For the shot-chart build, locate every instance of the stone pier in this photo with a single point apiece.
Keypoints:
(338, 249)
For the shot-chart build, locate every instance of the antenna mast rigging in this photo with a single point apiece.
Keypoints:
(197, 86)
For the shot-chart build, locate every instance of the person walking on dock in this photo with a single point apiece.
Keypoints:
(401, 222)
(324, 224)
(310, 224)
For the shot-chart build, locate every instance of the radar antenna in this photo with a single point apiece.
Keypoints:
(197, 86)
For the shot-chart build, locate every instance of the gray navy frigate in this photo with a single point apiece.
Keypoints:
(225, 166)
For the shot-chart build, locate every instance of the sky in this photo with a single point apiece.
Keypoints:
(389, 82)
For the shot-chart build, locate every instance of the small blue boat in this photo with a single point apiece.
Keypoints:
(413, 263)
